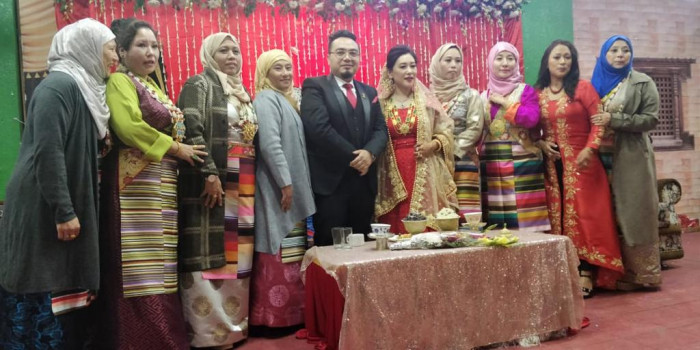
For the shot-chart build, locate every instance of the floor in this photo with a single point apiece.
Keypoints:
(667, 319)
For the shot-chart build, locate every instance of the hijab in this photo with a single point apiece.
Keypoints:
(262, 67)
(498, 85)
(446, 89)
(605, 76)
(77, 51)
(232, 84)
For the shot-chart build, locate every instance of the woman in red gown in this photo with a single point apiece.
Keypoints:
(415, 172)
(578, 194)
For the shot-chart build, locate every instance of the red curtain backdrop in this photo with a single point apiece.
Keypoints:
(305, 38)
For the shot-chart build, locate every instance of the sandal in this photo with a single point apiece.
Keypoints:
(586, 283)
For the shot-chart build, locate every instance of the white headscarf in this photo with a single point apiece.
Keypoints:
(77, 51)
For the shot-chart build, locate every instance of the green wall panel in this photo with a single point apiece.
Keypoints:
(544, 21)
(10, 95)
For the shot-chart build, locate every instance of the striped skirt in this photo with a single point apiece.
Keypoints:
(149, 230)
(467, 180)
(513, 187)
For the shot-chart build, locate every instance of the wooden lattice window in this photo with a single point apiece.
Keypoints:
(669, 75)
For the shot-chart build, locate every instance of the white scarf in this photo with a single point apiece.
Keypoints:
(77, 51)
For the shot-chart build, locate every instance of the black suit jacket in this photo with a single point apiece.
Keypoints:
(326, 117)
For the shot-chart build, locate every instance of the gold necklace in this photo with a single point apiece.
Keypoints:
(402, 127)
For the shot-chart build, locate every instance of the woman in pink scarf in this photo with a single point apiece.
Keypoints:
(511, 165)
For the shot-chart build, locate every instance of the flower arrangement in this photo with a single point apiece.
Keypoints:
(498, 10)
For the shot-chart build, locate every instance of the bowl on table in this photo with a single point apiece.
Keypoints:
(448, 224)
(415, 226)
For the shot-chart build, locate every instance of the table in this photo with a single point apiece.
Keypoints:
(442, 298)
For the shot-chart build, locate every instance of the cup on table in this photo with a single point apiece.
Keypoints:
(473, 218)
(380, 228)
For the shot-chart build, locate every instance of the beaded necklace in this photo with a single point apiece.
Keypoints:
(178, 119)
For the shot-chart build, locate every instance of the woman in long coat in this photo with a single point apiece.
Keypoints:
(631, 104)
(217, 198)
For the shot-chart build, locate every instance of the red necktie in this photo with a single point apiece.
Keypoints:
(351, 96)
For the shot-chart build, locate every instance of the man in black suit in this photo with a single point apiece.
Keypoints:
(345, 131)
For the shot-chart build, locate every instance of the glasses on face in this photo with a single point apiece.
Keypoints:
(343, 53)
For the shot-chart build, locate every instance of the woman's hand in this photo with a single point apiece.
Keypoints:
(602, 119)
(426, 149)
(69, 230)
(498, 99)
(584, 158)
(287, 194)
(213, 193)
(188, 153)
(550, 149)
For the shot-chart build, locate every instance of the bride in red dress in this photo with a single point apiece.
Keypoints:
(415, 172)
(578, 194)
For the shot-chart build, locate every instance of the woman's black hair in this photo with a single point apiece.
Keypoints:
(396, 52)
(126, 33)
(571, 78)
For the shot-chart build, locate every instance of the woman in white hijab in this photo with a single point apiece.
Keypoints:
(49, 261)
(216, 198)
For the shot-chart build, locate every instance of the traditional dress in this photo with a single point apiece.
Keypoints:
(579, 200)
(463, 104)
(216, 254)
(43, 279)
(406, 183)
(632, 100)
(277, 290)
(511, 166)
(139, 237)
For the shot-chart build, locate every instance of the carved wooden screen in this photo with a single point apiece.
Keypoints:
(669, 75)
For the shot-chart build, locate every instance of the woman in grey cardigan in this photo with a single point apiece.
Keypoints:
(631, 106)
(283, 196)
(49, 256)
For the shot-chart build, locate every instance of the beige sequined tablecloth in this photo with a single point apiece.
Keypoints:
(453, 298)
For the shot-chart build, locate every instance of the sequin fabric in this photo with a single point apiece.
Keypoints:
(454, 298)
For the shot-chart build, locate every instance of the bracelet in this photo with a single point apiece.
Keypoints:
(439, 145)
(178, 148)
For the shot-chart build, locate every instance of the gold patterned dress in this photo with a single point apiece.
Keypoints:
(579, 199)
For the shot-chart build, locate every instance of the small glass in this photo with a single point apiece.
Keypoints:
(338, 235)
(347, 231)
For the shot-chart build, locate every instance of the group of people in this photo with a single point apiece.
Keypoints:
(181, 224)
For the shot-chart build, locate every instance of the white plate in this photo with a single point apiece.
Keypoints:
(479, 225)
(374, 235)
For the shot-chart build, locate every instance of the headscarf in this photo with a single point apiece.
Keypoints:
(262, 67)
(498, 85)
(232, 84)
(605, 76)
(446, 89)
(77, 51)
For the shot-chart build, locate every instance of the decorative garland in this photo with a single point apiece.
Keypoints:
(497, 10)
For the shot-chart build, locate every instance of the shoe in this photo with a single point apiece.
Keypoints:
(586, 283)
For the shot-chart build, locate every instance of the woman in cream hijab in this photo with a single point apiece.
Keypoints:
(216, 198)
(464, 106)
(283, 196)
